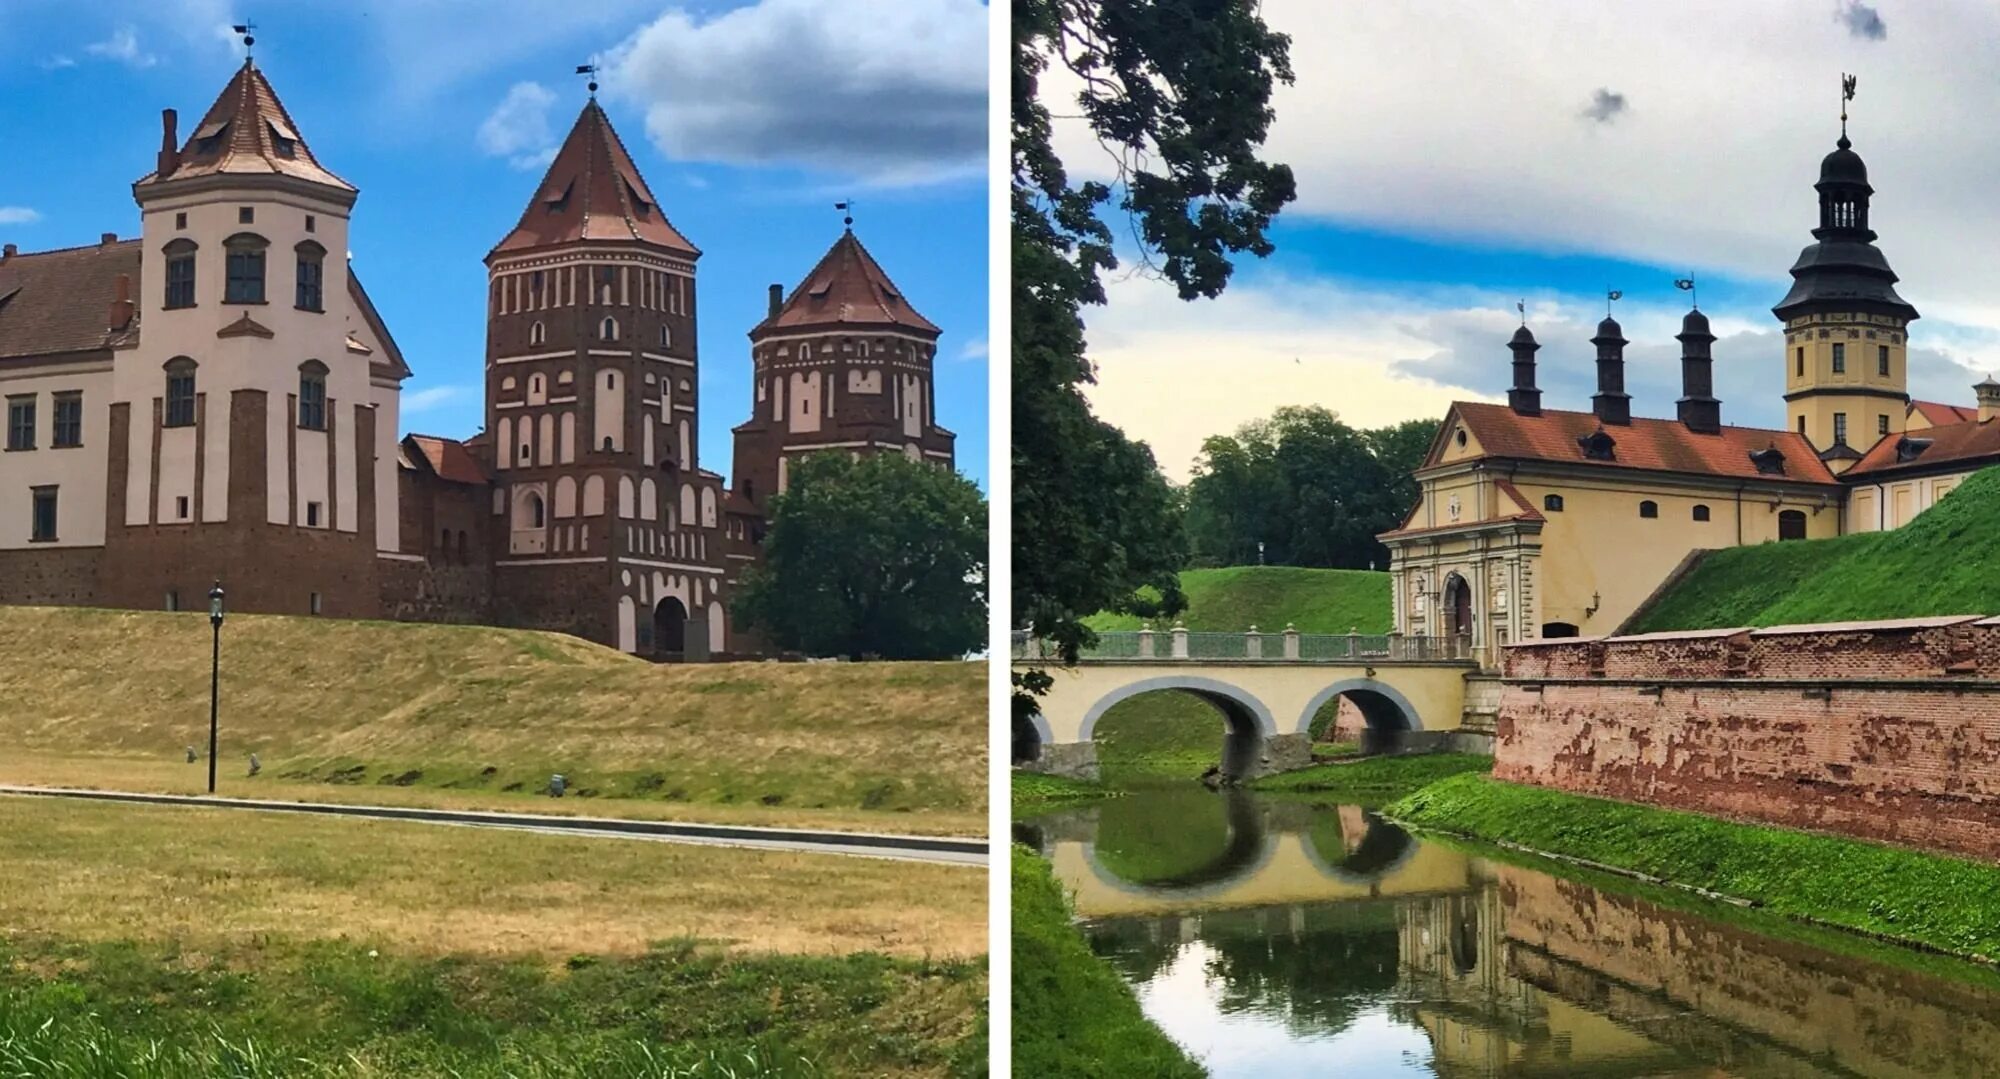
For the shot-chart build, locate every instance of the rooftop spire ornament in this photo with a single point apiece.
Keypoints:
(846, 206)
(245, 29)
(590, 70)
(1846, 95)
(1686, 284)
(1609, 296)
(1522, 307)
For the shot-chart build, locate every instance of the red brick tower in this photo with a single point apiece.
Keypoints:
(843, 365)
(608, 527)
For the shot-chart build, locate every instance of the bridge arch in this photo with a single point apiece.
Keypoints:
(1031, 733)
(1382, 705)
(1250, 849)
(1241, 710)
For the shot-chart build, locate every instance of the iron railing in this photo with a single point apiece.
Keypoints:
(1180, 645)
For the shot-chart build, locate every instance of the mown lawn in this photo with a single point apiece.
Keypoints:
(1938, 564)
(1928, 900)
(1234, 598)
(1372, 781)
(1074, 1018)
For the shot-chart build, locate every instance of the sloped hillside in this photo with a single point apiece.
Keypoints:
(1947, 561)
(1268, 597)
(338, 702)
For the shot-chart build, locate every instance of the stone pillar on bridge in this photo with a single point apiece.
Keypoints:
(1180, 641)
(1291, 641)
(1253, 644)
(1145, 640)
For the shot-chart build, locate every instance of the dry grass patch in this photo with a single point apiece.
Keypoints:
(478, 713)
(215, 878)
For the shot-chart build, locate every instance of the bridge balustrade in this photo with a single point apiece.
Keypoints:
(1181, 645)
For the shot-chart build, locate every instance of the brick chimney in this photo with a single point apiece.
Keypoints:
(1988, 392)
(1699, 410)
(170, 144)
(1611, 403)
(1524, 398)
(777, 301)
(8, 252)
(121, 302)
(106, 239)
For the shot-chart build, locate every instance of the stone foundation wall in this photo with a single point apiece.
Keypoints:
(50, 576)
(1888, 731)
(428, 591)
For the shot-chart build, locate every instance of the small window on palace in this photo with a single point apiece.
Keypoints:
(181, 220)
(312, 605)
(180, 507)
(312, 515)
(1882, 360)
(1839, 358)
(1802, 362)
(666, 336)
(312, 395)
(1701, 513)
(1792, 525)
(1649, 508)
(244, 262)
(1802, 425)
(608, 329)
(68, 420)
(1459, 437)
(180, 273)
(1840, 428)
(21, 422)
(43, 528)
(1552, 503)
(173, 600)
(537, 334)
(312, 223)
(1881, 425)
(311, 262)
(246, 215)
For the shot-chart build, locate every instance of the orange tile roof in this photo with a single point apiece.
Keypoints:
(1949, 442)
(1649, 444)
(847, 289)
(248, 132)
(1939, 413)
(52, 302)
(593, 192)
(448, 458)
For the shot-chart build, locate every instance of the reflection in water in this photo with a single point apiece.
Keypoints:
(1274, 938)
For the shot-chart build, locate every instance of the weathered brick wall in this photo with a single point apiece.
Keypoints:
(50, 576)
(1889, 733)
(432, 591)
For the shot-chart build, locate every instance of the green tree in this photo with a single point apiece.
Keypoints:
(1309, 488)
(881, 557)
(1179, 91)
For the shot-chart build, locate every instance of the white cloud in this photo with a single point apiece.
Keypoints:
(888, 94)
(19, 215)
(974, 349)
(122, 46)
(518, 129)
(430, 397)
(57, 62)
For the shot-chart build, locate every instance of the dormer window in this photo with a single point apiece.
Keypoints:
(1769, 461)
(1598, 446)
(245, 261)
(1909, 449)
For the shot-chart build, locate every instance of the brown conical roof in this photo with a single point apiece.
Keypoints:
(593, 192)
(848, 289)
(248, 132)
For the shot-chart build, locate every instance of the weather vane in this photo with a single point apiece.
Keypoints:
(1609, 296)
(846, 206)
(245, 29)
(1521, 305)
(1846, 95)
(590, 70)
(1686, 284)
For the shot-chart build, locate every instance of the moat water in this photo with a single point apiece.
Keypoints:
(1273, 937)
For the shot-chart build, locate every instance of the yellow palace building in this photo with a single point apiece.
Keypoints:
(1537, 522)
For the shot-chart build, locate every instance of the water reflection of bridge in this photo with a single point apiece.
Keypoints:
(1511, 972)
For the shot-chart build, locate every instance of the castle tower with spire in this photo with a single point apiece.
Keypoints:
(843, 364)
(608, 527)
(1846, 329)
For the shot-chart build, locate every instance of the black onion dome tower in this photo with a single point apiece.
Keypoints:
(1842, 269)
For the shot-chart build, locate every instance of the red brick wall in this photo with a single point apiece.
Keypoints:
(1888, 733)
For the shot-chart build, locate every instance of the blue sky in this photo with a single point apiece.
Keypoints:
(1453, 159)
(749, 122)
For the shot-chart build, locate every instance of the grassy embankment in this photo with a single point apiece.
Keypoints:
(1374, 781)
(1073, 1016)
(1926, 900)
(1938, 564)
(185, 942)
(474, 717)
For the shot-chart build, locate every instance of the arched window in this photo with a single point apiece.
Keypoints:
(537, 334)
(245, 262)
(608, 329)
(180, 272)
(312, 395)
(530, 512)
(179, 411)
(666, 336)
(1701, 513)
(312, 260)
(1552, 503)
(1649, 508)
(1792, 525)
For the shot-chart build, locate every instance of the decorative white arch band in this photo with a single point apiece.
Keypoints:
(1228, 697)
(1380, 688)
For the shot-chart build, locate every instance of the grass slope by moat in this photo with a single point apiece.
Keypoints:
(1074, 1018)
(1928, 900)
(1234, 598)
(468, 716)
(1940, 563)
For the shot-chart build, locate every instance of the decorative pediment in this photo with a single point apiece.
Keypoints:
(246, 327)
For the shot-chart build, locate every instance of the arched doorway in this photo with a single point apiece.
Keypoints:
(1457, 607)
(670, 628)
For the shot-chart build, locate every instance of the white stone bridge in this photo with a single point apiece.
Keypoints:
(1268, 687)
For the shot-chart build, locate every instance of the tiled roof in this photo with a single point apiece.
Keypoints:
(1939, 413)
(448, 458)
(59, 301)
(1652, 445)
(248, 132)
(593, 191)
(1949, 442)
(848, 289)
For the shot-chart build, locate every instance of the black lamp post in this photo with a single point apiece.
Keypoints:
(214, 675)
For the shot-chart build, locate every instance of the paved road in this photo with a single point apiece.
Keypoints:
(914, 848)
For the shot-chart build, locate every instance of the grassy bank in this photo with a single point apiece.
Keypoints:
(279, 1008)
(467, 716)
(1074, 1018)
(1235, 598)
(1374, 781)
(1935, 565)
(1926, 900)
(1036, 794)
